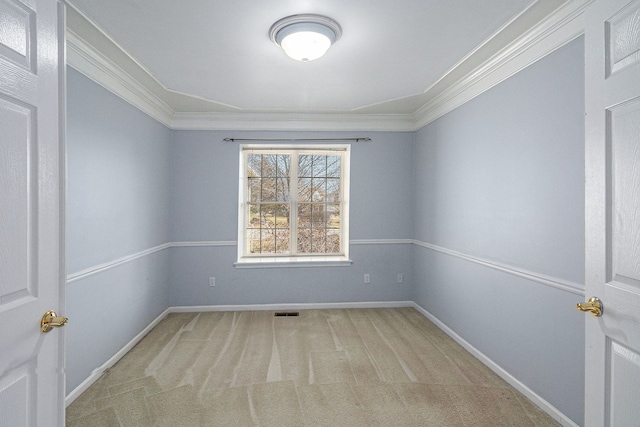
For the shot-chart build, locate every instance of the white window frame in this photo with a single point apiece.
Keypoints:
(293, 260)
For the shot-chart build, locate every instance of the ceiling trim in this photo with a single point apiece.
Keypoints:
(93, 53)
(294, 121)
(558, 29)
(92, 63)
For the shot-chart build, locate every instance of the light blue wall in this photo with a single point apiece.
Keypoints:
(204, 209)
(501, 179)
(107, 310)
(191, 267)
(117, 205)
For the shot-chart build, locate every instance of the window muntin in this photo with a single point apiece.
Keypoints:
(293, 202)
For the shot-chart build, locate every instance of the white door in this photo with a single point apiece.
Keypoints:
(31, 207)
(612, 77)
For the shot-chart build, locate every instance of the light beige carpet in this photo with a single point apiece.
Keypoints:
(368, 367)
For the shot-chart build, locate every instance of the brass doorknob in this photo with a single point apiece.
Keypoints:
(50, 320)
(593, 307)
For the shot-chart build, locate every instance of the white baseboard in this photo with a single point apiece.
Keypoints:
(551, 410)
(294, 306)
(98, 372)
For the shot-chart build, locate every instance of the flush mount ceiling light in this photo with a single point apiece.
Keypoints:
(305, 37)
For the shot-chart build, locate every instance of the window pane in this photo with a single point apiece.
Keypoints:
(333, 166)
(318, 241)
(318, 216)
(267, 216)
(318, 228)
(282, 216)
(268, 190)
(254, 162)
(333, 190)
(333, 241)
(319, 167)
(304, 215)
(253, 191)
(282, 189)
(304, 189)
(282, 241)
(283, 165)
(267, 241)
(268, 230)
(304, 241)
(253, 240)
(267, 221)
(319, 189)
(268, 165)
(254, 216)
(305, 165)
(333, 216)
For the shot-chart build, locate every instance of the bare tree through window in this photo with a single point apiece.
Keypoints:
(294, 202)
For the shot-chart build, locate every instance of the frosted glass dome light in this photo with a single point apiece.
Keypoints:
(305, 37)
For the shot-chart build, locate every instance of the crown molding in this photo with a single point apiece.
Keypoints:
(287, 121)
(89, 61)
(93, 53)
(562, 26)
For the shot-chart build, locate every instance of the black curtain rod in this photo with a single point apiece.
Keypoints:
(295, 139)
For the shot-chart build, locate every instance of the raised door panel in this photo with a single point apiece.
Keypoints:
(622, 290)
(17, 397)
(17, 226)
(17, 33)
(623, 38)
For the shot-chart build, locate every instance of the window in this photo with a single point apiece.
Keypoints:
(293, 204)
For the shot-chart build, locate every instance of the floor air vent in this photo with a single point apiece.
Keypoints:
(287, 314)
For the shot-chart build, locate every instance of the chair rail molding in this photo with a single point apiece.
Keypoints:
(564, 285)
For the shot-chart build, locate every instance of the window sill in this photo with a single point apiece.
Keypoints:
(293, 262)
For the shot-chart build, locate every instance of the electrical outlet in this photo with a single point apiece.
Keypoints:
(212, 281)
(367, 278)
(400, 279)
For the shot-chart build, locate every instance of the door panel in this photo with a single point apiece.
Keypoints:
(612, 94)
(622, 289)
(31, 206)
(624, 377)
(624, 215)
(622, 39)
(16, 43)
(16, 396)
(16, 223)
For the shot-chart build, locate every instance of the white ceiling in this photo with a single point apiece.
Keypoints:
(391, 53)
